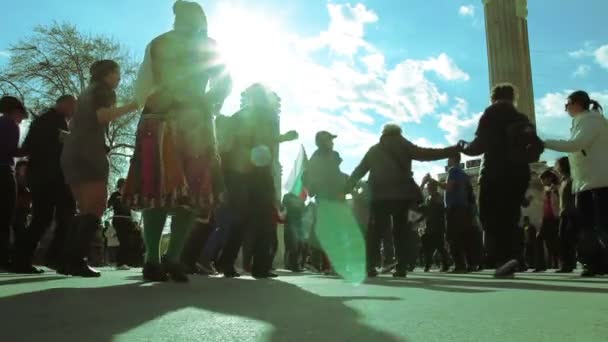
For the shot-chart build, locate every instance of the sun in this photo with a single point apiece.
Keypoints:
(254, 46)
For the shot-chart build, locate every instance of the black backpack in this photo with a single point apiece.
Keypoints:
(523, 144)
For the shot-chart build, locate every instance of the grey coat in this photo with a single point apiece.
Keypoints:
(389, 164)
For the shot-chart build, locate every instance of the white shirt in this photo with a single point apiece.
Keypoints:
(587, 151)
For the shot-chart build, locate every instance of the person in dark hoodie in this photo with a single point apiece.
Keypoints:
(503, 180)
(393, 190)
(250, 180)
(13, 113)
(52, 198)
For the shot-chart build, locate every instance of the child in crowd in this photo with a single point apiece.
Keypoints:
(548, 234)
(567, 218)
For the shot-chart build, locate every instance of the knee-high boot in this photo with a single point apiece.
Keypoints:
(85, 229)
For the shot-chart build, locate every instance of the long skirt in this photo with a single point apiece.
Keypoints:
(173, 164)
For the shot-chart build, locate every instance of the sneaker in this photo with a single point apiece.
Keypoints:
(208, 268)
(123, 268)
(507, 270)
(372, 273)
(389, 268)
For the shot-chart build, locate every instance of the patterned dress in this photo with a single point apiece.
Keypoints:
(175, 163)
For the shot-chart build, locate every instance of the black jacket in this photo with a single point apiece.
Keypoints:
(43, 145)
(389, 164)
(491, 141)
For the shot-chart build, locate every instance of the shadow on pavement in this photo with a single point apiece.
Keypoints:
(28, 280)
(455, 283)
(99, 314)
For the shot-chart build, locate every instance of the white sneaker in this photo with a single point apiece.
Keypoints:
(123, 268)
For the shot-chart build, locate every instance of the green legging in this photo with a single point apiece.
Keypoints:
(154, 223)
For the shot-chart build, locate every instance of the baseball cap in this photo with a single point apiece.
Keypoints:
(324, 135)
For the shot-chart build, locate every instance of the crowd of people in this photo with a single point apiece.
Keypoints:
(214, 175)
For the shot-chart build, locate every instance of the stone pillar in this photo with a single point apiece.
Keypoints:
(508, 48)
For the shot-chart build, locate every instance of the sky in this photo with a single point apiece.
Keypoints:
(351, 67)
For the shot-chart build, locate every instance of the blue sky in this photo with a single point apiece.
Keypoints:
(351, 67)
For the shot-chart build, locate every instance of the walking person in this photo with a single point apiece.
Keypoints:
(13, 113)
(586, 150)
(85, 163)
(250, 180)
(459, 201)
(507, 139)
(393, 191)
(52, 199)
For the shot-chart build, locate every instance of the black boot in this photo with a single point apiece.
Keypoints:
(88, 226)
(71, 241)
(154, 272)
(176, 272)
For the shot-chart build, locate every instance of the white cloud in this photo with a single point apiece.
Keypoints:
(582, 70)
(585, 51)
(346, 93)
(598, 54)
(345, 35)
(467, 11)
(551, 104)
(4, 54)
(601, 56)
(459, 124)
(445, 67)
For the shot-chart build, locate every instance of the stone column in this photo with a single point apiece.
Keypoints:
(508, 48)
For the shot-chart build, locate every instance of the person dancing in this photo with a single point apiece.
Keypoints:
(250, 161)
(85, 163)
(13, 113)
(175, 168)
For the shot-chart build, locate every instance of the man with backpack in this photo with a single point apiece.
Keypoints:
(509, 143)
(393, 190)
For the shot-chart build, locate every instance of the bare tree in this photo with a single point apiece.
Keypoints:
(55, 60)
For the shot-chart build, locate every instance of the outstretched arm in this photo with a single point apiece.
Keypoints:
(479, 145)
(360, 171)
(289, 136)
(584, 134)
(431, 154)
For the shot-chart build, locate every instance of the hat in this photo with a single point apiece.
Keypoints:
(10, 103)
(324, 135)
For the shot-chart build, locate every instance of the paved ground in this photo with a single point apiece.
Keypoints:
(424, 307)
